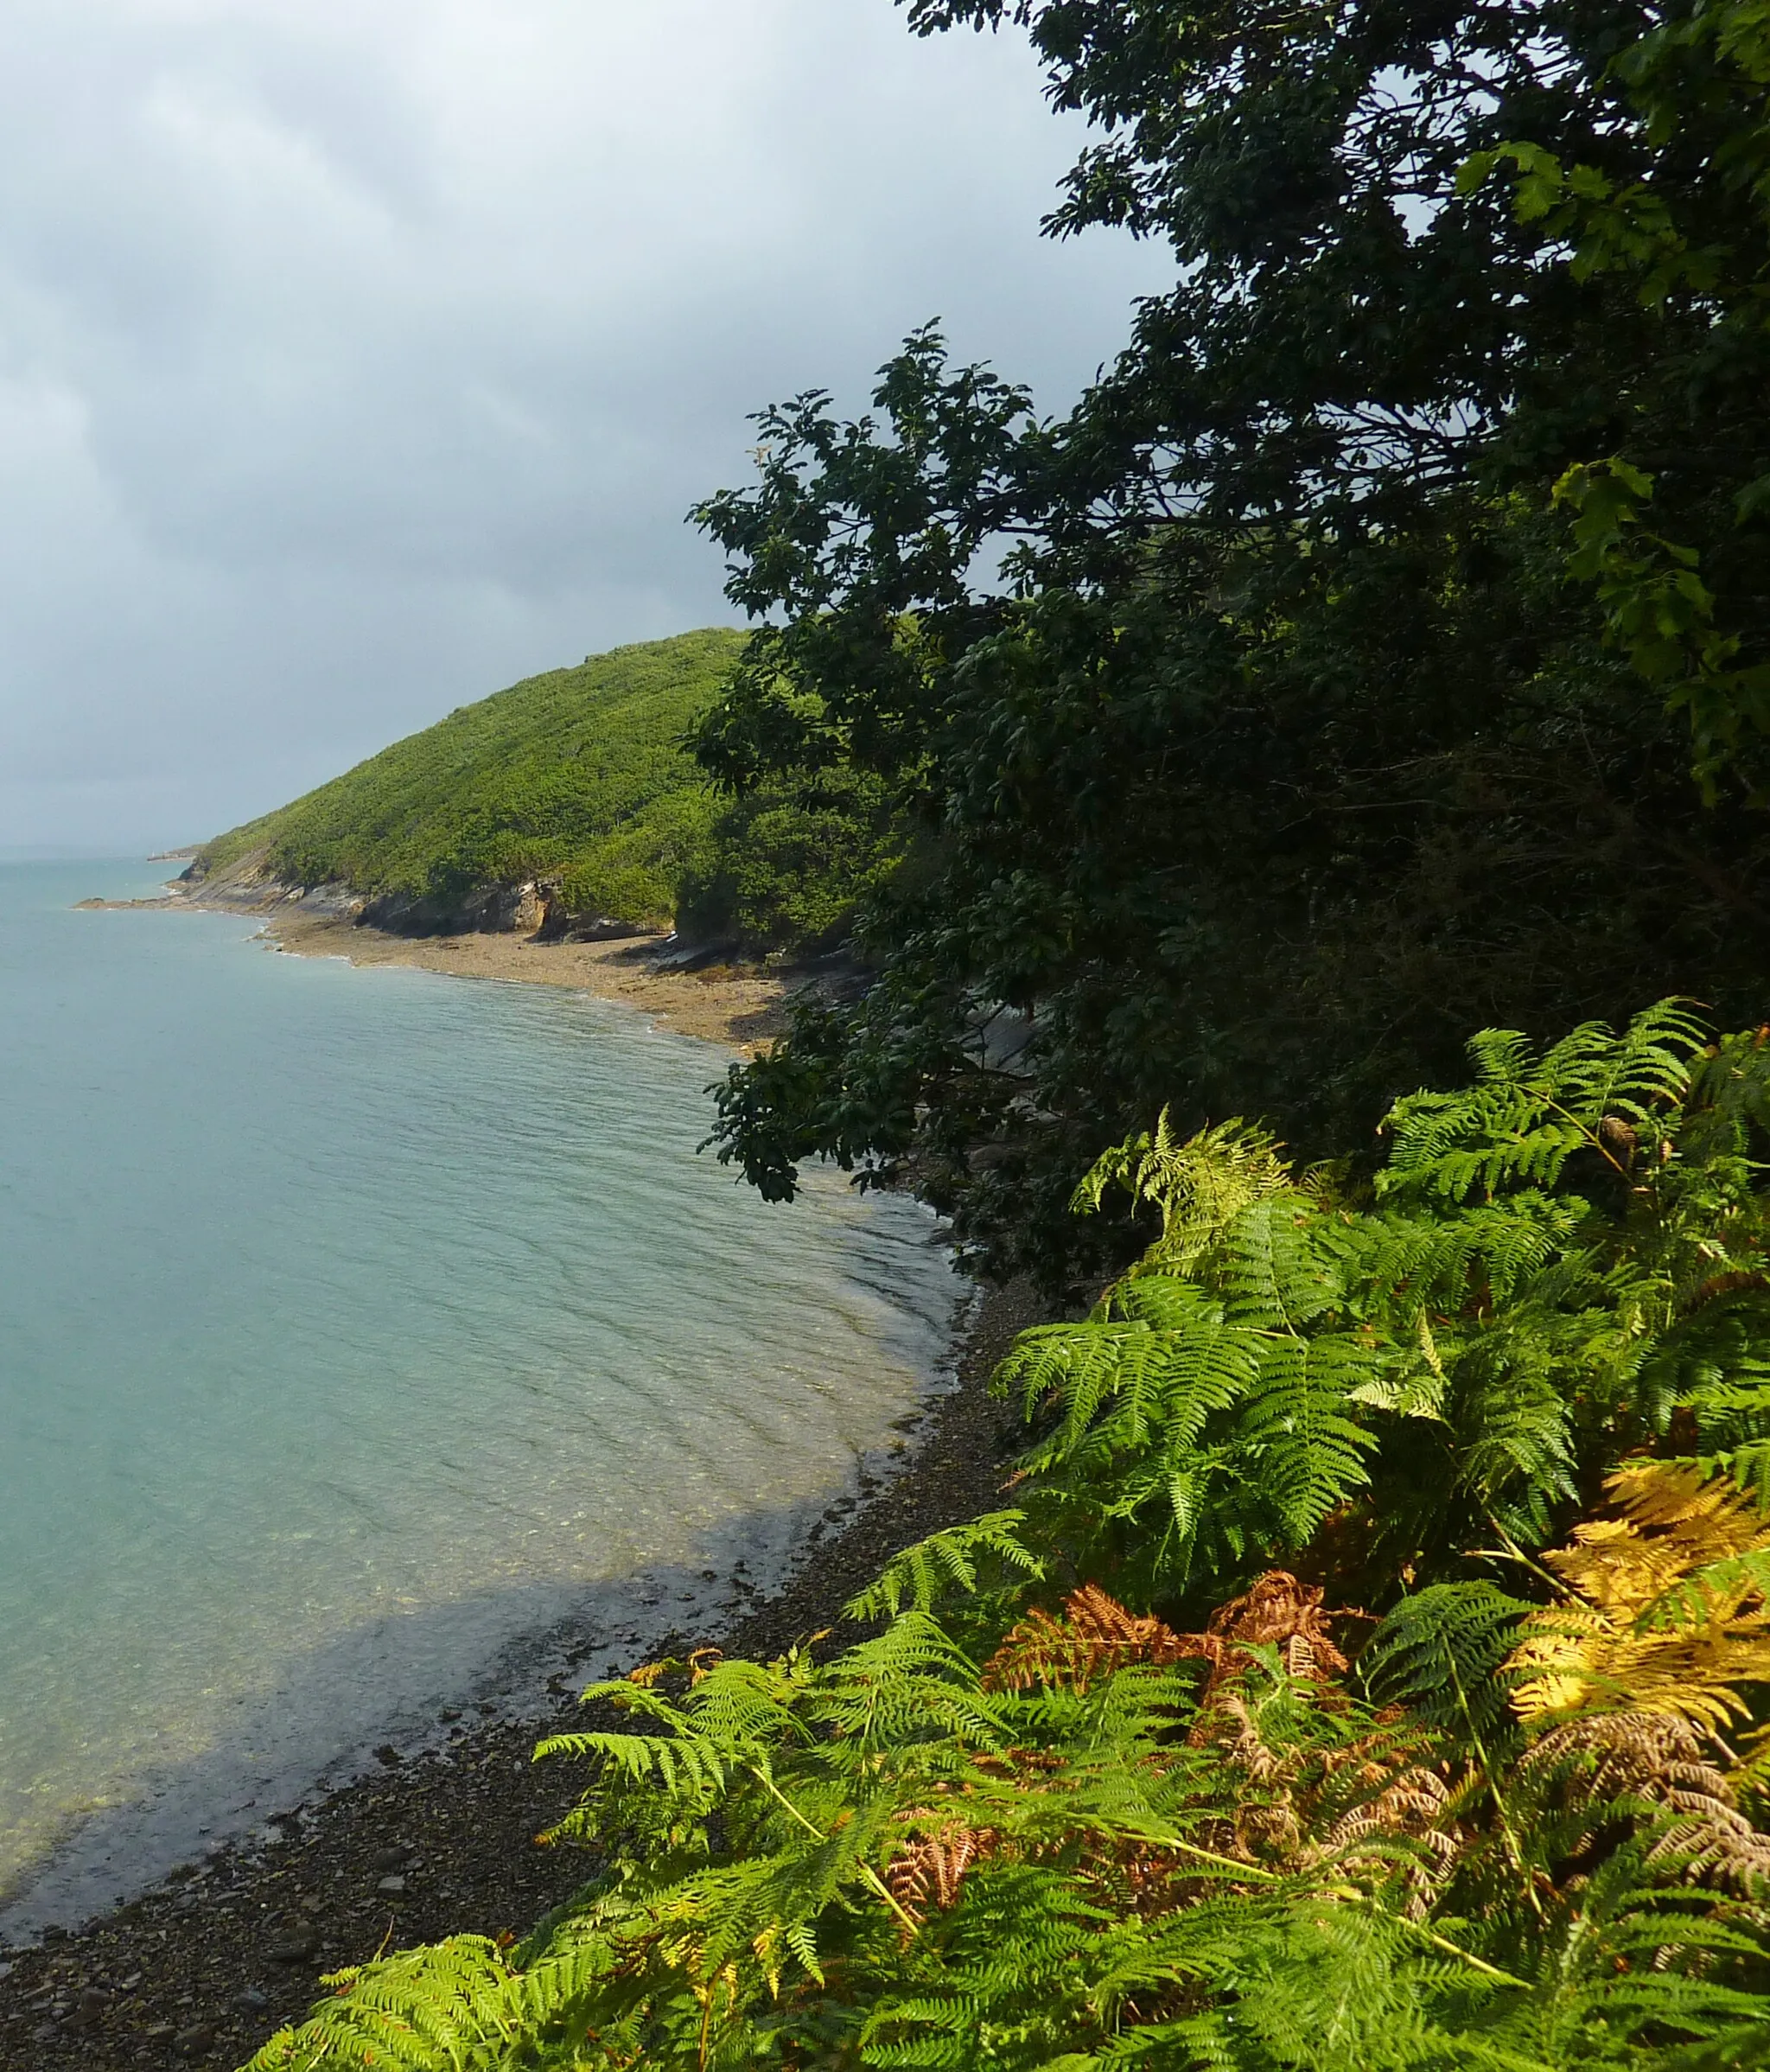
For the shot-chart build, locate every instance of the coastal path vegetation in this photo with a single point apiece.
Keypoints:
(1369, 1665)
(1370, 1669)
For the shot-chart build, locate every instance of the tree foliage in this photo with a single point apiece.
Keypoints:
(1323, 684)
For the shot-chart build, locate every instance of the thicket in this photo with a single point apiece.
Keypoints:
(1358, 631)
(582, 775)
(1477, 1779)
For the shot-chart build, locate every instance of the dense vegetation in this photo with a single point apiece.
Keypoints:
(1480, 1779)
(578, 774)
(581, 776)
(1373, 1671)
(1358, 629)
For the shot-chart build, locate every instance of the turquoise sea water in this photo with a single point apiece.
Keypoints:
(355, 1322)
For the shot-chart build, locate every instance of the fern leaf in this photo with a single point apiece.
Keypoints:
(945, 1561)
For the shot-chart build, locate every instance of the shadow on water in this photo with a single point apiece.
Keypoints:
(509, 1652)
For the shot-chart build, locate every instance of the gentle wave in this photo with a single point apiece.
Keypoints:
(342, 1303)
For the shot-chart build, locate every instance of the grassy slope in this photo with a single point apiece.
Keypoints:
(576, 774)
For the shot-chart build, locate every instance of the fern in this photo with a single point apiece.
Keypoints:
(1439, 1653)
(1200, 1186)
(946, 1561)
(1152, 1821)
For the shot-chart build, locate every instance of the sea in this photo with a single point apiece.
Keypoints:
(373, 1343)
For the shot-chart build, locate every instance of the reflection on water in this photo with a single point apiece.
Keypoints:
(349, 1319)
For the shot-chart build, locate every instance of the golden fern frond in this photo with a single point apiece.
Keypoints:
(1095, 1637)
(1672, 1615)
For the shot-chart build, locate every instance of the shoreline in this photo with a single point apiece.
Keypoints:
(207, 1964)
(741, 1006)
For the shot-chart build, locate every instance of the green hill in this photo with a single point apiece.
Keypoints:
(578, 775)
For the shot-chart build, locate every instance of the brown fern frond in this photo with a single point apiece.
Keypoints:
(1659, 1759)
(1304, 1805)
(1396, 1796)
(1095, 1637)
(930, 1871)
(1277, 1611)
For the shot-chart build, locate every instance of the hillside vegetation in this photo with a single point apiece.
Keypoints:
(577, 773)
(581, 776)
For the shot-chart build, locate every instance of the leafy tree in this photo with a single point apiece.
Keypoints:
(1334, 694)
(784, 868)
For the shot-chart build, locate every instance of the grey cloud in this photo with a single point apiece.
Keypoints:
(357, 359)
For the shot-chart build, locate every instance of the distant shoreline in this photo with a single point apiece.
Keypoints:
(742, 1007)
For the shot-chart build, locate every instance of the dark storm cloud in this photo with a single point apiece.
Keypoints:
(358, 356)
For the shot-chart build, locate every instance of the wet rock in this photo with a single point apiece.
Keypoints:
(297, 1944)
(195, 2042)
(90, 2009)
(251, 2000)
(389, 1754)
(395, 1858)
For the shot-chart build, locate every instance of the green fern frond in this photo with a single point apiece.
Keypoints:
(1200, 1186)
(1439, 1654)
(946, 1561)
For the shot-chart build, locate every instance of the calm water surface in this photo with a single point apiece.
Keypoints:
(352, 1320)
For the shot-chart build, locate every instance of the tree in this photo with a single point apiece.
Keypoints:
(1334, 693)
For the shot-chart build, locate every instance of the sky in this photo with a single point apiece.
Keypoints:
(359, 357)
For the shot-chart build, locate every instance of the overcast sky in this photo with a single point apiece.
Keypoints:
(358, 357)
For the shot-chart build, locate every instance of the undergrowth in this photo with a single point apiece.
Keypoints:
(1370, 1669)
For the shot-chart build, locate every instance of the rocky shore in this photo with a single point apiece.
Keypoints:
(703, 991)
(201, 1970)
(741, 1006)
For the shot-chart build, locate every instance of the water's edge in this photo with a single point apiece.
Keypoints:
(383, 1687)
(568, 1635)
(211, 1960)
